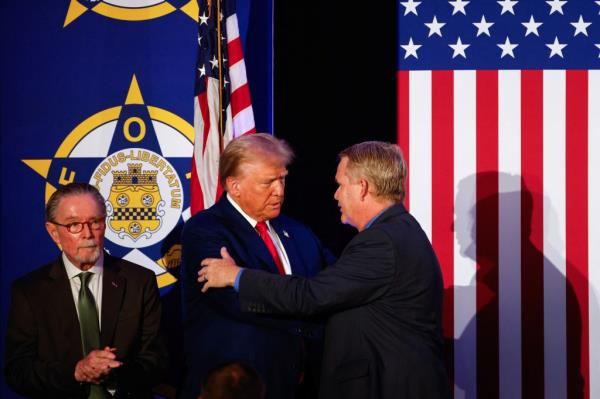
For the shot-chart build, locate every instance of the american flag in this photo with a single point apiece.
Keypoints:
(499, 118)
(222, 105)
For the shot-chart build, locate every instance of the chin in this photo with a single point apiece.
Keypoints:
(88, 259)
(273, 214)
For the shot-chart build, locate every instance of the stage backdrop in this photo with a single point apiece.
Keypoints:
(499, 116)
(98, 90)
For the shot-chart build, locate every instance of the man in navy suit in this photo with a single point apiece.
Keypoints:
(383, 296)
(247, 220)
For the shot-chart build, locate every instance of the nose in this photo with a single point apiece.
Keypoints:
(335, 195)
(87, 230)
(279, 188)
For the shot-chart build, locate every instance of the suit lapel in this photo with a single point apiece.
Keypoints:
(290, 247)
(249, 237)
(113, 288)
(61, 297)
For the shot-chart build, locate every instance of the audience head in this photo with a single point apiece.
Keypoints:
(232, 381)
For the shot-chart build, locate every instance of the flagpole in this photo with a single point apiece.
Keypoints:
(219, 56)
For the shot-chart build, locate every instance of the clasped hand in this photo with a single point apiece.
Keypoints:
(96, 366)
(218, 272)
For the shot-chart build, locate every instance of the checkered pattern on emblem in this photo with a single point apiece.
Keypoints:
(134, 214)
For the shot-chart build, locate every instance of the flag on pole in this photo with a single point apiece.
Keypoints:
(499, 119)
(222, 105)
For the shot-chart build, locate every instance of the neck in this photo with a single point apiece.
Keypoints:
(375, 208)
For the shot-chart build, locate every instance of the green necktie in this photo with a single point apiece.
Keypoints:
(88, 316)
(90, 330)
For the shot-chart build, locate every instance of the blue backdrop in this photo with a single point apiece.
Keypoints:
(82, 80)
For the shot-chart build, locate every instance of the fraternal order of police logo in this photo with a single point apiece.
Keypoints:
(135, 154)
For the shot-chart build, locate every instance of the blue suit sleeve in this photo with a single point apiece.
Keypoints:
(200, 242)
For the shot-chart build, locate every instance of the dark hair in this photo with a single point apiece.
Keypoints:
(233, 380)
(248, 147)
(69, 190)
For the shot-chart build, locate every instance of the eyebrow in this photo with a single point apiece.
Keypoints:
(76, 219)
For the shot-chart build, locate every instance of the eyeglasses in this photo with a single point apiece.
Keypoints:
(77, 227)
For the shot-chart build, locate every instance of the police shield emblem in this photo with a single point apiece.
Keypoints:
(135, 200)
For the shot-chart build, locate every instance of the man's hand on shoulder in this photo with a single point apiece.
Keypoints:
(96, 366)
(218, 272)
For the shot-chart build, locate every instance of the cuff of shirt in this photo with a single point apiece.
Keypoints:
(236, 285)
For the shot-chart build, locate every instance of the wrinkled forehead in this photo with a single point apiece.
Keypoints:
(80, 203)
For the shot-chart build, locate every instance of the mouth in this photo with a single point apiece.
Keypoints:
(88, 246)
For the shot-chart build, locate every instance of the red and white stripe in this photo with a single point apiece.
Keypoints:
(205, 188)
(504, 180)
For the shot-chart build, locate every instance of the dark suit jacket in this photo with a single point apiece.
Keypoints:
(43, 341)
(384, 297)
(215, 329)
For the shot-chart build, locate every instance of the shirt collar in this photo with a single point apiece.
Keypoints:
(244, 214)
(73, 271)
(375, 218)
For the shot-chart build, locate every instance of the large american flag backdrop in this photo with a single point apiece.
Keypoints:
(222, 105)
(499, 118)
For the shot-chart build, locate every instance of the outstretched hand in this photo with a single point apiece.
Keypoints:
(218, 272)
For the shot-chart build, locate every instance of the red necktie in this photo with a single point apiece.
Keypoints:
(264, 235)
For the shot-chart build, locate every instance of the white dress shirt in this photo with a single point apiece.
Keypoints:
(278, 245)
(95, 283)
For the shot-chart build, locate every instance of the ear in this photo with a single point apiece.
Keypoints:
(364, 189)
(52, 230)
(233, 186)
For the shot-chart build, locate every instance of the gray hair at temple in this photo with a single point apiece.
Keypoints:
(248, 147)
(69, 190)
(381, 164)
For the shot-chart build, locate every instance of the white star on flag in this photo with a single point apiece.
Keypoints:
(410, 49)
(459, 48)
(435, 27)
(598, 2)
(556, 48)
(507, 6)
(580, 26)
(410, 6)
(203, 18)
(202, 71)
(507, 48)
(459, 6)
(532, 26)
(598, 45)
(556, 5)
(214, 62)
(483, 26)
